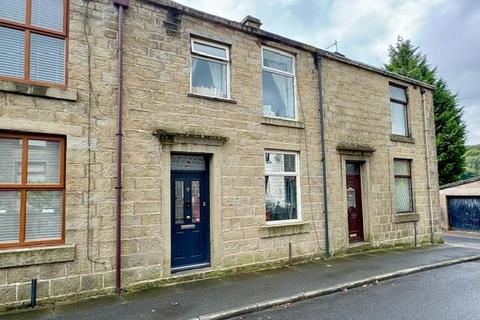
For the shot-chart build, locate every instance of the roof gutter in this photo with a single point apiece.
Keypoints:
(168, 4)
(121, 5)
(318, 64)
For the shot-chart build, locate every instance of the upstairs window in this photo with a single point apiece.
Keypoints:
(33, 35)
(32, 190)
(398, 105)
(403, 185)
(278, 80)
(210, 69)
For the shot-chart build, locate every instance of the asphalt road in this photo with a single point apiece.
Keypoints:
(462, 240)
(449, 293)
(441, 294)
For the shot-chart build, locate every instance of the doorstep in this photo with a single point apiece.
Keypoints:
(357, 247)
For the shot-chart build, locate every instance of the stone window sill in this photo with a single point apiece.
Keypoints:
(39, 255)
(194, 95)
(38, 91)
(398, 138)
(405, 217)
(282, 123)
(278, 230)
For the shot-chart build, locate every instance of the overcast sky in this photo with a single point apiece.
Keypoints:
(448, 31)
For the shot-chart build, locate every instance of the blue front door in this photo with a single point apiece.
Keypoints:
(190, 220)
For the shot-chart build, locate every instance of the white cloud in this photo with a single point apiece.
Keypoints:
(364, 30)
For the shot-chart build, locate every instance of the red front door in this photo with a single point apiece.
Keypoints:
(354, 202)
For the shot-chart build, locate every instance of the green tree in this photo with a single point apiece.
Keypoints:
(406, 59)
(472, 159)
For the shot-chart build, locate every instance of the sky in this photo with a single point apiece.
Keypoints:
(447, 31)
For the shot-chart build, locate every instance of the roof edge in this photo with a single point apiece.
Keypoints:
(277, 38)
(459, 183)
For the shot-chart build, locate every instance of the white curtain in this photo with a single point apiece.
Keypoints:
(216, 71)
(285, 87)
(211, 77)
(194, 66)
(282, 87)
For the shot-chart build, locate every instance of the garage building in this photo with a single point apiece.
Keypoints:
(460, 204)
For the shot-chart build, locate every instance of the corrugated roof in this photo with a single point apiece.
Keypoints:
(459, 183)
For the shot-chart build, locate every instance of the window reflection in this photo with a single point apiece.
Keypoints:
(195, 201)
(179, 202)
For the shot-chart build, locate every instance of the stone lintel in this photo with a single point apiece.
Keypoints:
(355, 149)
(168, 137)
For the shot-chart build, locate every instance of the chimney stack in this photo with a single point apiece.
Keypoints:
(252, 22)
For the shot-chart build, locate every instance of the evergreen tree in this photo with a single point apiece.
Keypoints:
(407, 60)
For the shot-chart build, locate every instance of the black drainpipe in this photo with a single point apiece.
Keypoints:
(318, 64)
(121, 5)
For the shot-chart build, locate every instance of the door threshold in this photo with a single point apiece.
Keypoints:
(358, 244)
(190, 267)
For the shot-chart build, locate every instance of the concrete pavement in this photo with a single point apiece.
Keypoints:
(208, 299)
(441, 294)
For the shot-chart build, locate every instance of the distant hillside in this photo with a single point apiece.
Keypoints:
(472, 159)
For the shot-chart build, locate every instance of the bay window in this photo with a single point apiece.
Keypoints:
(281, 186)
(278, 84)
(33, 36)
(210, 69)
(32, 189)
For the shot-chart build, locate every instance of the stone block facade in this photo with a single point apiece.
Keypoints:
(157, 66)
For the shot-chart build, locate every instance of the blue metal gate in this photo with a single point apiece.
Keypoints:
(464, 213)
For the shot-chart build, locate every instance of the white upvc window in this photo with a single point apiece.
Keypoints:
(282, 187)
(278, 84)
(398, 107)
(210, 71)
(403, 185)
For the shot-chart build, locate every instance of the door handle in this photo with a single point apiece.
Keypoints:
(188, 204)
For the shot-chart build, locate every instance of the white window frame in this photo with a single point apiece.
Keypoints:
(286, 174)
(207, 57)
(412, 188)
(283, 73)
(405, 110)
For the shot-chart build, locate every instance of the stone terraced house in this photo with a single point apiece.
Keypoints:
(187, 144)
